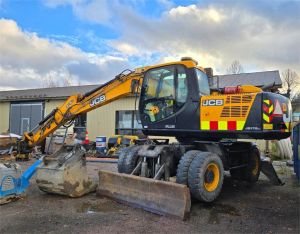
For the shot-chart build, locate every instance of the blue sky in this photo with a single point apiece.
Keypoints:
(60, 23)
(90, 41)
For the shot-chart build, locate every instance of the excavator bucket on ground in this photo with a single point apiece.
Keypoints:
(65, 173)
(156, 196)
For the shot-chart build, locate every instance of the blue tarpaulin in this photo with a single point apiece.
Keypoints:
(296, 149)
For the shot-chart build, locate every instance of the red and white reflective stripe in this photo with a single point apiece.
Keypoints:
(222, 125)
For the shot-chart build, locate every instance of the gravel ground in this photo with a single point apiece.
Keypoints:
(262, 208)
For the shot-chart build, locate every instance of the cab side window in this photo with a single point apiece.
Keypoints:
(202, 83)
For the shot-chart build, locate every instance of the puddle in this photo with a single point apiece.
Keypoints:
(216, 209)
(98, 207)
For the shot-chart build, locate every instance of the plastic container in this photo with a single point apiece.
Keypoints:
(101, 144)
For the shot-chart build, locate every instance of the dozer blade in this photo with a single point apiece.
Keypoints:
(65, 173)
(269, 171)
(160, 197)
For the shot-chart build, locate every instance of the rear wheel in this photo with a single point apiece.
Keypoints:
(251, 172)
(183, 166)
(205, 176)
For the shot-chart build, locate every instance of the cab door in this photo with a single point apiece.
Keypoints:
(157, 102)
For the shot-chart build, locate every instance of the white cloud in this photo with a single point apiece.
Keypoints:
(124, 48)
(217, 34)
(27, 59)
(262, 35)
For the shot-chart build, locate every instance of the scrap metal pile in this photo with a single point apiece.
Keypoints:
(8, 145)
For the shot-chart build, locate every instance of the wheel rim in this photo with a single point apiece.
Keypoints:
(255, 166)
(211, 177)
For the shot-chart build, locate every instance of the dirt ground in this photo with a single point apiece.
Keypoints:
(262, 208)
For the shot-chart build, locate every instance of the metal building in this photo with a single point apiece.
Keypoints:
(22, 110)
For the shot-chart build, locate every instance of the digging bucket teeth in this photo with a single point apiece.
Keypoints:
(156, 196)
(65, 173)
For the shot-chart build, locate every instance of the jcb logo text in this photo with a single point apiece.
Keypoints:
(213, 102)
(97, 100)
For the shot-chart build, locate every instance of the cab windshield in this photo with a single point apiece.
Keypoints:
(165, 91)
(160, 83)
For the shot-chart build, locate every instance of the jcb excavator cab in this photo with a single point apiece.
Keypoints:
(170, 97)
(176, 100)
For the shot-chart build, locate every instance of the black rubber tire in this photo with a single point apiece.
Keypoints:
(249, 174)
(183, 166)
(196, 176)
(131, 159)
(121, 159)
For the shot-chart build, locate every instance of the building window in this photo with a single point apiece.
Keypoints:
(128, 123)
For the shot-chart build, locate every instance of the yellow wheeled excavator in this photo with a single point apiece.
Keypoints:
(175, 100)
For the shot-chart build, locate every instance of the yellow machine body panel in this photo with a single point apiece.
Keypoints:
(225, 112)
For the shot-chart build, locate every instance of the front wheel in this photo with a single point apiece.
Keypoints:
(128, 158)
(205, 177)
(121, 159)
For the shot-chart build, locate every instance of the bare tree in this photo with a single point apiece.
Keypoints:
(67, 81)
(50, 82)
(291, 81)
(235, 68)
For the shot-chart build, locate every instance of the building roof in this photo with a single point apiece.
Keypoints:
(258, 79)
(44, 93)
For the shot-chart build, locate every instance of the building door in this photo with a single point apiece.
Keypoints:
(24, 116)
(25, 122)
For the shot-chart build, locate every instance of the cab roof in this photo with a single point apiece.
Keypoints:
(187, 62)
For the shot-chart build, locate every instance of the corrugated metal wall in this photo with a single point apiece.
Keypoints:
(101, 122)
(4, 116)
(51, 104)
